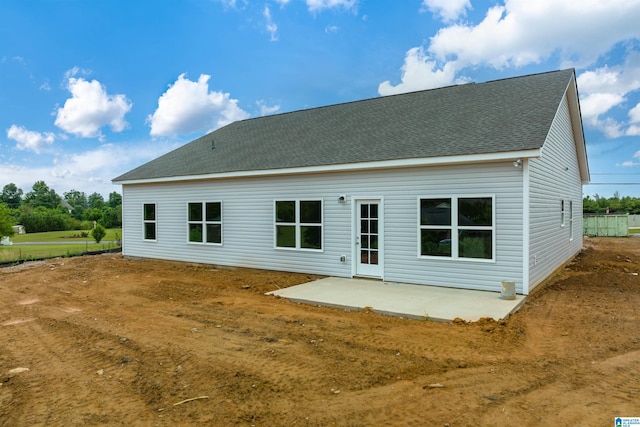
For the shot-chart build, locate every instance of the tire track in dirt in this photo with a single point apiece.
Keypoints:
(554, 336)
(165, 332)
(610, 387)
(620, 378)
(87, 357)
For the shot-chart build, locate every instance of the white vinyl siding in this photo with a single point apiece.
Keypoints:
(249, 222)
(555, 175)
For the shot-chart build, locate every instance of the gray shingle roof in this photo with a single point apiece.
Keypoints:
(499, 116)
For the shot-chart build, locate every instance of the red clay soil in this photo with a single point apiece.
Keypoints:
(114, 341)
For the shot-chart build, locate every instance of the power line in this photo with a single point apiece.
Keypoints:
(616, 173)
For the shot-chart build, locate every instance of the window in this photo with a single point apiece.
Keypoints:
(205, 222)
(457, 227)
(298, 224)
(562, 213)
(149, 221)
(570, 219)
(435, 227)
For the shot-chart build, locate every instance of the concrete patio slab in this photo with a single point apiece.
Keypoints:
(401, 299)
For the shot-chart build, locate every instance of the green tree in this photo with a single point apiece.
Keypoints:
(42, 195)
(92, 214)
(115, 199)
(111, 217)
(41, 219)
(615, 204)
(11, 196)
(96, 201)
(6, 221)
(76, 198)
(77, 212)
(98, 233)
(589, 205)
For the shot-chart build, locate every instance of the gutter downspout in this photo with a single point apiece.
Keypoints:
(526, 226)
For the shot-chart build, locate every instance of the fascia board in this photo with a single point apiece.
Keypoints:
(349, 167)
(578, 131)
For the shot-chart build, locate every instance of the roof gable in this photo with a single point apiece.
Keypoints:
(494, 117)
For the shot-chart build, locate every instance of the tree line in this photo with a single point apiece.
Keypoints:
(42, 209)
(612, 205)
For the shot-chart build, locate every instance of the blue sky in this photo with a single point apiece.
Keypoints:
(92, 89)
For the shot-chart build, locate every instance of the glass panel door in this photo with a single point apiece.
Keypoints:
(368, 260)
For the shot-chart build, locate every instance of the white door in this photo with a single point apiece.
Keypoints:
(368, 238)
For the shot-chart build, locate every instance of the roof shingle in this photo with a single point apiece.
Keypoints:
(497, 116)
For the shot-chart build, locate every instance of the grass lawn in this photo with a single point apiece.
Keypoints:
(634, 230)
(55, 243)
(65, 236)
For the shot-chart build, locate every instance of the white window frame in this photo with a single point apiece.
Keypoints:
(570, 220)
(563, 213)
(298, 225)
(154, 221)
(204, 223)
(455, 227)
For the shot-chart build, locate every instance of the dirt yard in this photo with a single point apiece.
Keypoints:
(111, 341)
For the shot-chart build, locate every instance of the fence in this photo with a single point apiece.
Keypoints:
(634, 221)
(8, 263)
(606, 225)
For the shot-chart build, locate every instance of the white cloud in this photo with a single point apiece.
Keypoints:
(228, 3)
(609, 127)
(606, 88)
(519, 33)
(523, 32)
(620, 79)
(89, 171)
(599, 80)
(90, 108)
(189, 107)
(634, 119)
(419, 72)
(319, 5)
(448, 10)
(272, 28)
(629, 163)
(331, 29)
(266, 110)
(45, 86)
(74, 72)
(516, 33)
(634, 114)
(29, 140)
(634, 122)
(593, 105)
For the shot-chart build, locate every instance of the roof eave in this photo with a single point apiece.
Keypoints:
(578, 131)
(385, 164)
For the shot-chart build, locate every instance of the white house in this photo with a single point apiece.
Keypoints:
(463, 186)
